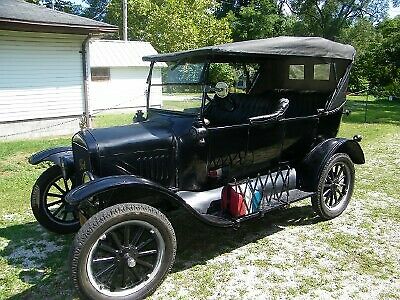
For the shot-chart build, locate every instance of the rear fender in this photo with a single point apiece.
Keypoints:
(135, 185)
(310, 168)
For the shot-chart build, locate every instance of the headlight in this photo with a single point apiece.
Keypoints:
(87, 176)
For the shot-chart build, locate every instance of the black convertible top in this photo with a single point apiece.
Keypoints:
(278, 46)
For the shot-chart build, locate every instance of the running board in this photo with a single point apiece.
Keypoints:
(286, 199)
(290, 197)
(272, 183)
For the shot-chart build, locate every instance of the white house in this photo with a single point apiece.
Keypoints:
(42, 69)
(118, 76)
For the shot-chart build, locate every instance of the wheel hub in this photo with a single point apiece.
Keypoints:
(131, 262)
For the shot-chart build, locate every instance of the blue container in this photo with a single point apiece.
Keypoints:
(256, 200)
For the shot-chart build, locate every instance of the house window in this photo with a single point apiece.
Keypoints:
(100, 74)
(296, 72)
(322, 71)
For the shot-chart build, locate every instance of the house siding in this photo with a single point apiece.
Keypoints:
(124, 90)
(40, 76)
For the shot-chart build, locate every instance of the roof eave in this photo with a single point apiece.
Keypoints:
(20, 25)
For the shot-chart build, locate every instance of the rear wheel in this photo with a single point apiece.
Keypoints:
(48, 202)
(335, 187)
(122, 252)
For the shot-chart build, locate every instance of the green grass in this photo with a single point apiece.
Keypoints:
(358, 249)
(181, 105)
(107, 120)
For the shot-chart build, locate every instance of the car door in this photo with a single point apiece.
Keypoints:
(228, 154)
(265, 144)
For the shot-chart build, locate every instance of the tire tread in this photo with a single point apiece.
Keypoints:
(315, 200)
(99, 220)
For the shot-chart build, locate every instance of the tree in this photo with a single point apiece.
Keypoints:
(172, 25)
(363, 36)
(384, 62)
(254, 19)
(96, 9)
(258, 19)
(327, 18)
(377, 64)
(60, 5)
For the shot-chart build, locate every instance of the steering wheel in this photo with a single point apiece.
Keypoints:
(226, 104)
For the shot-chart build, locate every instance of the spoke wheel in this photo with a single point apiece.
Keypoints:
(122, 252)
(49, 205)
(55, 203)
(125, 258)
(335, 187)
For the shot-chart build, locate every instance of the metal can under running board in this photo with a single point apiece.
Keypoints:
(290, 197)
(273, 190)
(221, 220)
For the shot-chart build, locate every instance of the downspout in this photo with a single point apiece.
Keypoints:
(86, 121)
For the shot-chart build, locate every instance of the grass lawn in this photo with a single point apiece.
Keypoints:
(288, 254)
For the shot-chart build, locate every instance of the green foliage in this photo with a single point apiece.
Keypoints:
(377, 64)
(222, 72)
(363, 36)
(329, 18)
(172, 25)
(384, 73)
(258, 19)
(67, 6)
(96, 9)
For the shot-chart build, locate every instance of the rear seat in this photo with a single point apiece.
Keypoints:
(302, 103)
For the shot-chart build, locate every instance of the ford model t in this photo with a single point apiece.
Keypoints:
(244, 128)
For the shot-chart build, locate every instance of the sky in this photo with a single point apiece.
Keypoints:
(393, 11)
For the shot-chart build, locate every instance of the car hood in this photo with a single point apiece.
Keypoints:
(122, 140)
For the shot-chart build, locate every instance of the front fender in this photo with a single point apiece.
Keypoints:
(53, 155)
(104, 184)
(309, 170)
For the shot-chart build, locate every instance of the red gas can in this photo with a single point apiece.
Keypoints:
(233, 202)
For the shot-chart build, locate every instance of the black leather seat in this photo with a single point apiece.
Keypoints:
(245, 106)
(302, 103)
(238, 108)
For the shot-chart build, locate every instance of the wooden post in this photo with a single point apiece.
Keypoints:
(124, 20)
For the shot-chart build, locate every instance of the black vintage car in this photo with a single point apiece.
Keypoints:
(244, 128)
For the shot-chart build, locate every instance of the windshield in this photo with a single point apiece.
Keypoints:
(179, 86)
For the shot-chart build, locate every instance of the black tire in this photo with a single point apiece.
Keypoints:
(48, 204)
(100, 260)
(335, 187)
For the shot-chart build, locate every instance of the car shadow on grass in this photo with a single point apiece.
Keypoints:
(198, 242)
(43, 256)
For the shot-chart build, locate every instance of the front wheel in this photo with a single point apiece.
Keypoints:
(335, 187)
(122, 252)
(48, 202)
